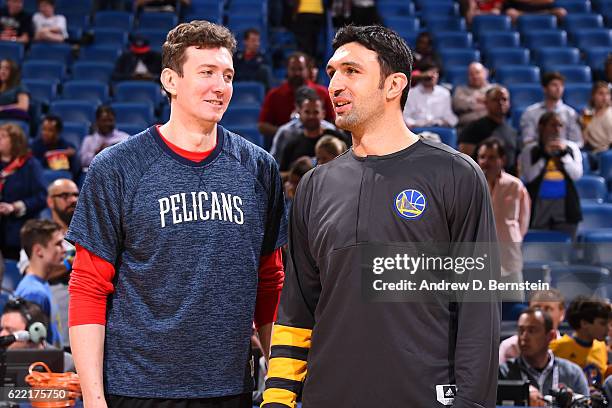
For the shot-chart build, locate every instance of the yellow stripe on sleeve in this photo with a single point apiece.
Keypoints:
(287, 368)
(279, 396)
(291, 336)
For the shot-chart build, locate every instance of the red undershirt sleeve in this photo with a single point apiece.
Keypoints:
(271, 278)
(90, 284)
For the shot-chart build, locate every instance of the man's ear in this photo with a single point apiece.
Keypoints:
(168, 80)
(395, 85)
(37, 250)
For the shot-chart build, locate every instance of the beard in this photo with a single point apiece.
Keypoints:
(66, 215)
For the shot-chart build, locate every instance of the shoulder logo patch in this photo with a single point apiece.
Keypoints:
(410, 204)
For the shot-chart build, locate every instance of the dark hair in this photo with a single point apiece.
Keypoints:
(37, 231)
(197, 33)
(51, 2)
(300, 166)
(550, 295)
(30, 311)
(393, 53)
(547, 117)
(493, 143)
(14, 77)
(548, 77)
(304, 93)
(298, 55)
(588, 309)
(494, 89)
(532, 311)
(104, 109)
(19, 141)
(250, 31)
(59, 125)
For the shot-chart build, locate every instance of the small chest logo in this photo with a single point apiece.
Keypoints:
(410, 204)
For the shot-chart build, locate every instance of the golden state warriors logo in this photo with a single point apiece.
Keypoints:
(410, 204)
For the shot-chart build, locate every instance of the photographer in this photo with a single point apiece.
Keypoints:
(549, 167)
(537, 364)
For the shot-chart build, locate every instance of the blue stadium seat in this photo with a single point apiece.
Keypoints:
(60, 52)
(598, 247)
(136, 113)
(573, 73)
(42, 69)
(74, 111)
(395, 8)
(445, 23)
(538, 252)
(248, 93)
(249, 132)
(506, 56)
(596, 37)
(545, 38)
(452, 39)
(115, 37)
(575, 280)
(138, 91)
(515, 116)
(238, 23)
(49, 176)
(605, 167)
(156, 37)
(130, 128)
(77, 20)
(402, 23)
(11, 50)
(577, 95)
(81, 6)
(42, 90)
(75, 132)
(496, 39)
(586, 166)
(86, 90)
(165, 113)
(213, 13)
(157, 20)
(114, 19)
(546, 236)
(99, 71)
(523, 95)
(528, 22)
(458, 56)
(11, 277)
(578, 21)
(556, 56)
(596, 57)
(248, 7)
(595, 216)
(591, 187)
(439, 8)
(74, 34)
(101, 53)
(574, 6)
(447, 135)
(456, 75)
(513, 74)
(490, 22)
(240, 116)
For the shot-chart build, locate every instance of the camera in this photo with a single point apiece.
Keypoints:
(565, 398)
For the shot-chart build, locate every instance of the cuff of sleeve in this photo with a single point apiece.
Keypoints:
(20, 209)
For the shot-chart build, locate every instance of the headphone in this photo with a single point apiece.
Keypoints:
(37, 330)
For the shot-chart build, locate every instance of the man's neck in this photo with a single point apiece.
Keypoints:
(37, 269)
(59, 222)
(550, 103)
(428, 89)
(499, 119)
(382, 136)
(313, 133)
(190, 136)
(492, 180)
(583, 337)
(538, 362)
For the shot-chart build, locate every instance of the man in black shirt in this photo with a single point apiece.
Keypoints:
(493, 124)
(15, 23)
(331, 343)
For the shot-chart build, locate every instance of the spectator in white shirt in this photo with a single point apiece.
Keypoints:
(49, 26)
(429, 104)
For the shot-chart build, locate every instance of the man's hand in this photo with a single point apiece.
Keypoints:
(535, 397)
(6, 209)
